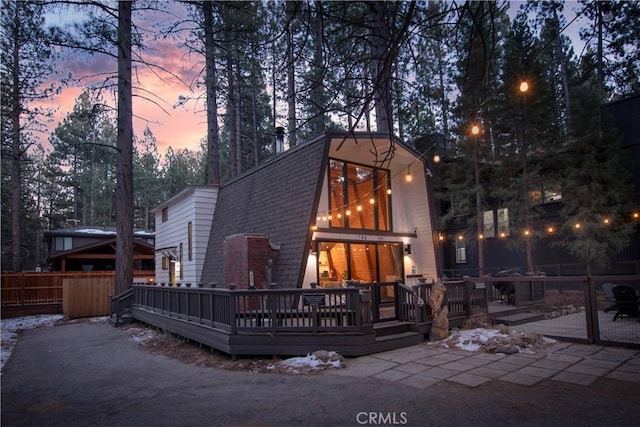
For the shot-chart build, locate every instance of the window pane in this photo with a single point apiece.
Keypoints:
(390, 262)
(382, 198)
(503, 221)
(360, 192)
(489, 227)
(337, 201)
(461, 251)
(332, 263)
(363, 262)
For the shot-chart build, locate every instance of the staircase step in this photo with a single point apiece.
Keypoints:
(125, 319)
(519, 318)
(391, 328)
(404, 339)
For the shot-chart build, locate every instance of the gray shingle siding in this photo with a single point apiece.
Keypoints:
(276, 199)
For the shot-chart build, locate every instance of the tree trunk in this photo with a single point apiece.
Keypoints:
(379, 40)
(124, 189)
(213, 152)
(291, 76)
(16, 152)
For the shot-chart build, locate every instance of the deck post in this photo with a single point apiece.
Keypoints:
(232, 312)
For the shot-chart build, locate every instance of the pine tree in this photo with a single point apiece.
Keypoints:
(27, 63)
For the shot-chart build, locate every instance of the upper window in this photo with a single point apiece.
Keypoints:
(63, 243)
(165, 214)
(358, 196)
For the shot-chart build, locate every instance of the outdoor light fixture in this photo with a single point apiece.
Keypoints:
(524, 86)
(606, 221)
(388, 191)
(550, 229)
(475, 129)
(407, 249)
(577, 226)
(436, 158)
(408, 178)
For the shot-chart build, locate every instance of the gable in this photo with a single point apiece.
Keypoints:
(276, 199)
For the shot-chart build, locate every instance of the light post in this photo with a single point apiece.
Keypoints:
(475, 131)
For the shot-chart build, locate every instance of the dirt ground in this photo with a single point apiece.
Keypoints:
(193, 353)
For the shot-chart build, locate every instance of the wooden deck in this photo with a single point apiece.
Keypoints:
(351, 321)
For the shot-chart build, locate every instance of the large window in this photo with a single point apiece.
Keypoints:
(358, 196)
(365, 262)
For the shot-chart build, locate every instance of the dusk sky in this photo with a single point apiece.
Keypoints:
(181, 127)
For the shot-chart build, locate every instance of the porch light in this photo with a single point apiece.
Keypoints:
(408, 177)
(407, 249)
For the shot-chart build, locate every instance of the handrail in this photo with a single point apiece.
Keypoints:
(121, 304)
(257, 310)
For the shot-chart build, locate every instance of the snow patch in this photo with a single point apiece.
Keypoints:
(315, 361)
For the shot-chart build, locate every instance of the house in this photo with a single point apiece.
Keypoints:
(306, 251)
(183, 224)
(341, 207)
(459, 256)
(87, 248)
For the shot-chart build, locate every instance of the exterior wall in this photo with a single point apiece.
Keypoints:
(411, 213)
(411, 216)
(195, 205)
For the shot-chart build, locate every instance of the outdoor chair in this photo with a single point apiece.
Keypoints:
(608, 294)
(627, 302)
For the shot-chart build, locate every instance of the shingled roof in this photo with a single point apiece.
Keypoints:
(276, 199)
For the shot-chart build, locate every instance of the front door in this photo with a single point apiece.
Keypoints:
(371, 265)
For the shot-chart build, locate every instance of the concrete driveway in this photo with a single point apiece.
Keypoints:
(91, 374)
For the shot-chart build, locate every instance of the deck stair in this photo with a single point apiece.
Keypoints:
(518, 318)
(395, 334)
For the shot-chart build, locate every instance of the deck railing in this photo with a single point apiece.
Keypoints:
(260, 310)
(463, 298)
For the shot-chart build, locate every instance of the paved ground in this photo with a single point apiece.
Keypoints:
(91, 374)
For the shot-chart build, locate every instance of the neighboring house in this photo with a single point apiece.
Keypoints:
(94, 249)
(183, 224)
(459, 256)
(336, 208)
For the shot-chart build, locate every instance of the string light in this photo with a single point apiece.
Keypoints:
(408, 177)
(480, 236)
(577, 226)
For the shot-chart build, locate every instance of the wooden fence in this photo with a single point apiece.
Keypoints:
(76, 294)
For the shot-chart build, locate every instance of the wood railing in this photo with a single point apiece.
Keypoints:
(260, 310)
(463, 298)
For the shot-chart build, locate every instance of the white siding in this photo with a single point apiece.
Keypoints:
(195, 205)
